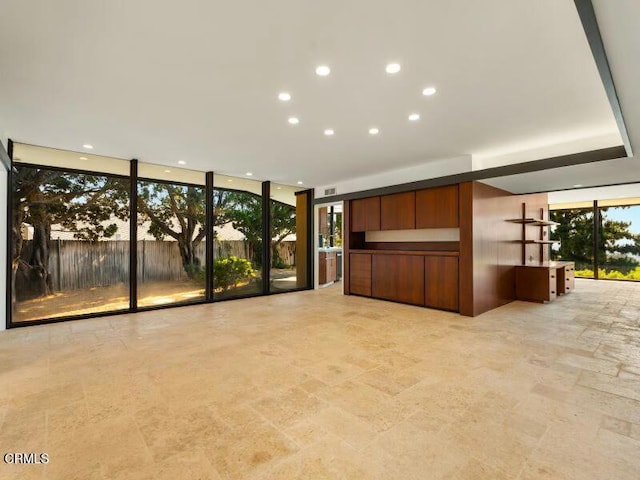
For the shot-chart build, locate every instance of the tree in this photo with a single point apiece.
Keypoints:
(616, 243)
(178, 212)
(283, 224)
(42, 198)
(244, 211)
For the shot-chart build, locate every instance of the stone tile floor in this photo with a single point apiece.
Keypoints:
(316, 385)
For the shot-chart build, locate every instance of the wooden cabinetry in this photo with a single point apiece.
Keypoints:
(398, 211)
(327, 267)
(365, 214)
(360, 274)
(419, 278)
(398, 277)
(441, 282)
(543, 283)
(437, 207)
(566, 279)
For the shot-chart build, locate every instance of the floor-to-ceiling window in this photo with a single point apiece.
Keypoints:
(171, 235)
(575, 238)
(286, 220)
(603, 246)
(91, 235)
(618, 241)
(238, 232)
(70, 234)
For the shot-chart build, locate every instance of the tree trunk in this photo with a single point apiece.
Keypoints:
(190, 261)
(39, 262)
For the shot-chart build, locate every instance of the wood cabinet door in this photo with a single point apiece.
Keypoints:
(360, 274)
(437, 207)
(398, 277)
(441, 282)
(398, 211)
(365, 214)
(322, 268)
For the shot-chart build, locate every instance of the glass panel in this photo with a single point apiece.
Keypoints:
(70, 243)
(286, 251)
(575, 234)
(171, 243)
(237, 268)
(619, 243)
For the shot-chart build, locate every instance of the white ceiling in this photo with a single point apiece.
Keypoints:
(197, 81)
(621, 37)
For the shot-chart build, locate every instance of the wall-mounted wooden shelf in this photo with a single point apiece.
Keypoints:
(534, 221)
(540, 242)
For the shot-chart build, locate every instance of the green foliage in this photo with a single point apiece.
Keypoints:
(616, 242)
(610, 274)
(244, 211)
(228, 272)
(177, 212)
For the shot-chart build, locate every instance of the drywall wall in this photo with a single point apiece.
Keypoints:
(596, 193)
(435, 169)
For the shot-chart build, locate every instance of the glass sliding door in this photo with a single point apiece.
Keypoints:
(575, 236)
(171, 236)
(70, 235)
(238, 224)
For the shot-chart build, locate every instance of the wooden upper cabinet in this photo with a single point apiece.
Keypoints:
(323, 221)
(437, 207)
(365, 214)
(398, 211)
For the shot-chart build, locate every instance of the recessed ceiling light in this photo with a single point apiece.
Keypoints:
(323, 70)
(414, 117)
(293, 120)
(284, 96)
(181, 162)
(300, 182)
(83, 158)
(578, 185)
(229, 180)
(249, 174)
(278, 188)
(329, 132)
(429, 91)
(167, 171)
(87, 146)
(374, 131)
(392, 68)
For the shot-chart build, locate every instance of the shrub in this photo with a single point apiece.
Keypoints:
(228, 272)
(611, 274)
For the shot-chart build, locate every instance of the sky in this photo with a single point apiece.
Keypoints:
(631, 214)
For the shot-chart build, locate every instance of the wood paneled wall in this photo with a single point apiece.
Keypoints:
(301, 239)
(489, 248)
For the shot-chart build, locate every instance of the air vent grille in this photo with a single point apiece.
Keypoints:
(330, 191)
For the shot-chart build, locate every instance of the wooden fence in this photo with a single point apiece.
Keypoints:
(75, 264)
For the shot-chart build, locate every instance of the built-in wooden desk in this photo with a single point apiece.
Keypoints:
(544, 282)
